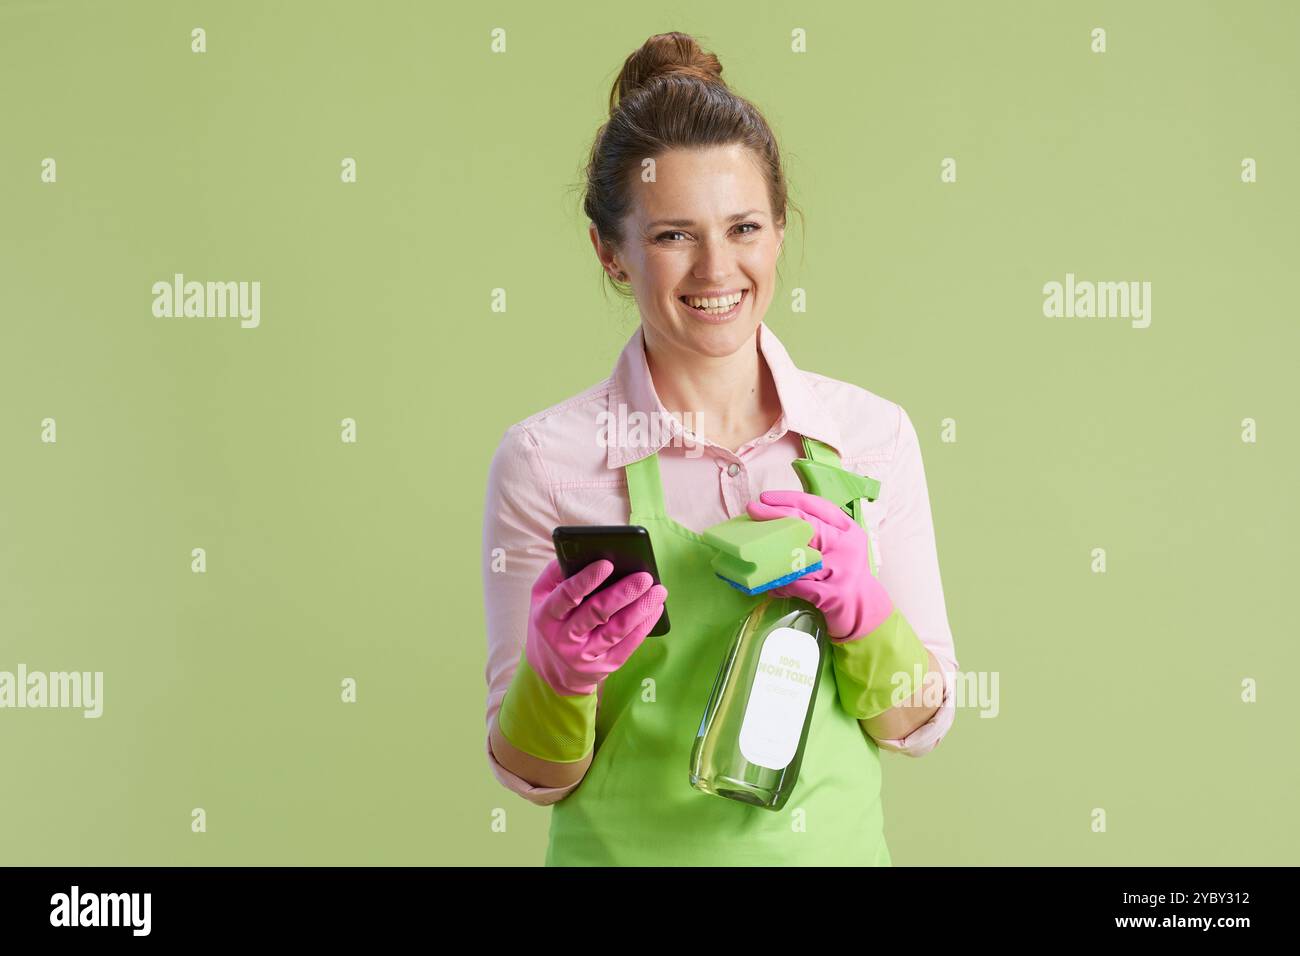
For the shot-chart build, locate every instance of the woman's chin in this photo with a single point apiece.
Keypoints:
(719, 339)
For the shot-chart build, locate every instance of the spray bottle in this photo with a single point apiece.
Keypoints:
(750, 742)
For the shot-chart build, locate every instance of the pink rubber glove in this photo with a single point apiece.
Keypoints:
(845, 590)
(575, 641)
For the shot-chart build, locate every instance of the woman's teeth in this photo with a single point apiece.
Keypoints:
(715, 306)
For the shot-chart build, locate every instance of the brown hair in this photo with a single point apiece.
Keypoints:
(670, 95)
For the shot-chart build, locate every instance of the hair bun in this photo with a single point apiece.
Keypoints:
(661, 55)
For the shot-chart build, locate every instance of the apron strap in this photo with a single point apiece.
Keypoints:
(645, 491)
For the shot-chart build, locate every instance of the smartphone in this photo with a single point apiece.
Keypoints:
(626, 545)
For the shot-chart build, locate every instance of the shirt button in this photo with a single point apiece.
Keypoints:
(733, 469)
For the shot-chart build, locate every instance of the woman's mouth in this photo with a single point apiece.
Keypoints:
(718, 309)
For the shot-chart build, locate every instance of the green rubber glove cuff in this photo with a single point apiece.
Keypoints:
(865, 666)
(550, 726)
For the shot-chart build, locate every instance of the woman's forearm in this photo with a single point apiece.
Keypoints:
(897, 722)
(538, 772)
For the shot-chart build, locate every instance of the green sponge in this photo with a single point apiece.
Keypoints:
(756, 556)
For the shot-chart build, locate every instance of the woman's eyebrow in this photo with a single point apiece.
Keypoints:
(690, 222)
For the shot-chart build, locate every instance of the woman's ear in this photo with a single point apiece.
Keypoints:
(596, 244)
(604, 253)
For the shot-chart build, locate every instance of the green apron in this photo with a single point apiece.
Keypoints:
(636, 806)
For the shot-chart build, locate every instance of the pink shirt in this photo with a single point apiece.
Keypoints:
(553, 469)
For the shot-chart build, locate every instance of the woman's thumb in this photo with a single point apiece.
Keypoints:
(760, 511)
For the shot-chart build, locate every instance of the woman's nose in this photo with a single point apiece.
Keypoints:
(715, 261)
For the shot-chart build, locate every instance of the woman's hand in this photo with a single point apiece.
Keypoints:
(854, 601)
(574, 639)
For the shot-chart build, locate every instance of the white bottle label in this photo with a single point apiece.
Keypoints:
(778, 701)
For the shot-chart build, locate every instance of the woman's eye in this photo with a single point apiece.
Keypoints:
(678, 232)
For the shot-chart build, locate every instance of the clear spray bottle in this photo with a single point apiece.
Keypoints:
(750, 742)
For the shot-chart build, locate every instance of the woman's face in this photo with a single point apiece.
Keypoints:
(703, 226)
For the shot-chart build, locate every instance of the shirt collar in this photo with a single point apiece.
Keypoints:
(633, 391)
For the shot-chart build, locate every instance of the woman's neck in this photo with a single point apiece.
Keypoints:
(731, 398)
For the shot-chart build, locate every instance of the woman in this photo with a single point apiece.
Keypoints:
(585, 712)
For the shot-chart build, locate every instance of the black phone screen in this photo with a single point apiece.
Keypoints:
(627, 547)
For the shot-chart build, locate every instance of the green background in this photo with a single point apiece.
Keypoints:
(329, 560)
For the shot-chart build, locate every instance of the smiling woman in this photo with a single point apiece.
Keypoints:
(687, 200)
(698, 249)
(586, 711)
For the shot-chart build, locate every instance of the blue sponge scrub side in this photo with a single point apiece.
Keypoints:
(779, 582)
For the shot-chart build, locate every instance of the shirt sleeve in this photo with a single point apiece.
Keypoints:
(909, 571)
(519, 514)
